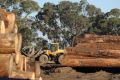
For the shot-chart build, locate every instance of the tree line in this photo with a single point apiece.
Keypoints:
(62, 21)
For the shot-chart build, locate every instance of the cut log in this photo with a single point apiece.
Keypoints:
(12, 65)
(2, 27)
(8, 20)
(10, 43)
(95, 62)
(22, 75)
(95, 50)
(20, 65)
(25, 60)
(91, 56)
(92, 38)
(99, 54)
(15, 30)
(98, 46)
(6, 65)
(18, 44)
(71, 56)
(37, 70)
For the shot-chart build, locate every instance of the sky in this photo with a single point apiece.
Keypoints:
(104, 5)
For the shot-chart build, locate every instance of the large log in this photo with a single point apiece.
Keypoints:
(10, 43)
(22, 75)
(12, 63)
(100, 54)
(8, 68)
(37, 70)
(9, 21)
(2, 27)
(92, 38)
(71, 56)
(95, 62)
(98, 46)
(93, 51)
(103, 50)
(6, 65)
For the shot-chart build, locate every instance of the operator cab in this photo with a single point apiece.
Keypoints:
(53, 47)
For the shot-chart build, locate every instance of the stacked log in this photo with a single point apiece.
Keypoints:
(12, 63)
(6, 64)
(89, 38)
(7, 21)
(10, 43)
(93, 62)
(94, 51)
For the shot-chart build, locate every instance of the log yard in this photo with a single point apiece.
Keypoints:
(59, 40)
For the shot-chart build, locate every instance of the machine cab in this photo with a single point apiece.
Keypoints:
(54, 47)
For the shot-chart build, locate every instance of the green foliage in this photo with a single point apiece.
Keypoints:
(29, 6)
(93, 11)
(115, 12)
(22, 9)
(61, 22)
(65, 20)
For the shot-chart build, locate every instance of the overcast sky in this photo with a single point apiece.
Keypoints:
(105, 5)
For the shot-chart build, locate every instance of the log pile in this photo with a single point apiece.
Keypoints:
(12, 63)
(93, 51)
(10, 43)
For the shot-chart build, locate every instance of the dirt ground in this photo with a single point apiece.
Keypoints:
(67, 73)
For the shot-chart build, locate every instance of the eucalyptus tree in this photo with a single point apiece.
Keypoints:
(22, 10)
(62, 21)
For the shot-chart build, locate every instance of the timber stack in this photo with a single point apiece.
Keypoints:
(12, 63)
(93, 50)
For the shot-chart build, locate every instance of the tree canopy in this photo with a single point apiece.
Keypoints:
(61, 22)
(23, 9)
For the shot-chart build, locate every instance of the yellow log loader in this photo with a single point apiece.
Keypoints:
(52, 53)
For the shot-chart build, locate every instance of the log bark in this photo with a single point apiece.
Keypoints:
(12, 65)
(6, 65)
(9, 21)
(98, 46)
(8, 68)
(77, 57)
(25, 60)
(20, 65)
(22, 75)
(2, 27)
(18, 44)
(95, 50)
(92, 38)
(10, 43)
(95, 62)
(37, 70)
